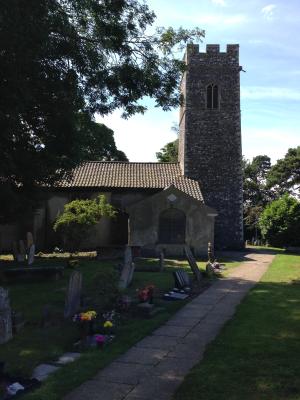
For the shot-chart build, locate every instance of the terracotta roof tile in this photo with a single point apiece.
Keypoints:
(111, 174)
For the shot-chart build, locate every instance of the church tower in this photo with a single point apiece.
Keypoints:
(210, 136)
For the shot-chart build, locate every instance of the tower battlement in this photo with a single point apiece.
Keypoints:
(213, 51)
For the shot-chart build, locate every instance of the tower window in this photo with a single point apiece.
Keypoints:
(212, 97)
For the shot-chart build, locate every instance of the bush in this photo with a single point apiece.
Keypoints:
(280, 222)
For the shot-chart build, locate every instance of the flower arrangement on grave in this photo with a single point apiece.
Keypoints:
(146, 294)
(110, 319)
(85, 321)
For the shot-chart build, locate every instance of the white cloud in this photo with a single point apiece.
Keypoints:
(219, 2)
(268, 11)
(272, 93)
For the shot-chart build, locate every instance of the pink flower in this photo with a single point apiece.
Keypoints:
(100, 339)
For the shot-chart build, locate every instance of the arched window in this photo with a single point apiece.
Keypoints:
(172, 226)
(212, 97)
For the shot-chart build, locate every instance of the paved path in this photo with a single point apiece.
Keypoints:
(156, 365)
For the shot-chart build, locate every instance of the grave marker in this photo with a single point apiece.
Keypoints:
(192, 263)
(73, 296)
(5, 317)
(127, 270)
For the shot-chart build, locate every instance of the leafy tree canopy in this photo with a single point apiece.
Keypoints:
(168, 153)
(78, 216)
(61, 61)
(284, 176)
(280, 222)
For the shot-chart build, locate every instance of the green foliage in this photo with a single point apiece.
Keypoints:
(280, 222)
(64, 60)
(78, 216)
(169, 153)
(255, 193)
(284, 176)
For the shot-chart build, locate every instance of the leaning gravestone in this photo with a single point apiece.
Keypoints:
(127, 270)
(5, 317)
(193, 263)
(73, 296)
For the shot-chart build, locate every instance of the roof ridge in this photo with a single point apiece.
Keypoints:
(129, 162)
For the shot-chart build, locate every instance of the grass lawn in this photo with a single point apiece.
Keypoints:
(256, 356)
(34, 345)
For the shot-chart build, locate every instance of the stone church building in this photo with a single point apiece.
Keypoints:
(166, 205)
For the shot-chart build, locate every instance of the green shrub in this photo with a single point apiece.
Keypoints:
(280, 222)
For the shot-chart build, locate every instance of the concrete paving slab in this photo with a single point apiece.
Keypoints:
(158, 342)
(129, 374)
(139, 355)
(156, 387)
(173, 331)
(100, 390)
(177, 321)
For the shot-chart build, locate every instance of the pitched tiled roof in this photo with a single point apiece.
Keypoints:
(112, 174)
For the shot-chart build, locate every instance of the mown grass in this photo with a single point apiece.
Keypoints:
(256, 356)
(34, 344)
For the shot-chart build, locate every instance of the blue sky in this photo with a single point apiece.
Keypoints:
(268, 34)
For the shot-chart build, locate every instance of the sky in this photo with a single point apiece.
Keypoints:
(268, 35)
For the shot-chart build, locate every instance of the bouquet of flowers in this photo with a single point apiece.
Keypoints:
(146, 294)
(85, 321)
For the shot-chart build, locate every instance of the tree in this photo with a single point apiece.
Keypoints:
(255, 193)
(78, 217)
(168, 153)
(62, 59)
(284, 176)
(280, 222)
(98, 143)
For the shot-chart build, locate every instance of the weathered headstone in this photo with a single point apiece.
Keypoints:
(72, 302)
(15, 251)
(127, 270)
(29, 239)
(31, 252)
(161, 260)
(22, 252)
(210, 252)
(5, 317)
(193, 264)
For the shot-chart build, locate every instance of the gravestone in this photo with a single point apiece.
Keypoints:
(5, 317)
(127, 270)
(31, 252)
(161, 260)
(22, 251)
(15, 251)
(29, 239)
(210, 252)
(72, 302)
(30, 248)
(192, 263)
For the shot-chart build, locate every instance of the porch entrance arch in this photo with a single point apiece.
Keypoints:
(172, 224)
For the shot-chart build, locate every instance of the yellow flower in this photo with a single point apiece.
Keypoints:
(108, 324)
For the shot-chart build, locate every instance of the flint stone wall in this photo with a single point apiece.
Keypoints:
(210, 139)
